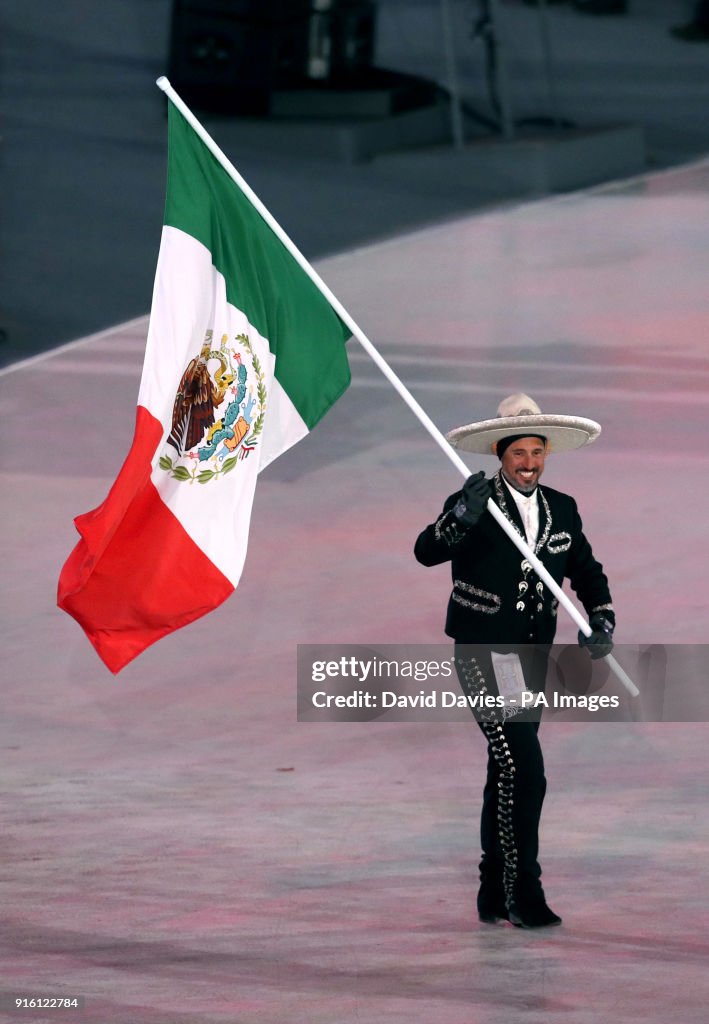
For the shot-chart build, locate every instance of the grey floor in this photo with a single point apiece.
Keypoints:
(82, 147)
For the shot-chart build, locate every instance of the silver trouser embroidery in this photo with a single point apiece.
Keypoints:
(473, 684)
(505, 806)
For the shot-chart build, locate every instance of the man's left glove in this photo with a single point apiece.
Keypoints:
(600, 642)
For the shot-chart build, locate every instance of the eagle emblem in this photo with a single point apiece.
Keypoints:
(218, 412)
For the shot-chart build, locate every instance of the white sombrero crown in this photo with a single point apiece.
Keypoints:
(520, 416)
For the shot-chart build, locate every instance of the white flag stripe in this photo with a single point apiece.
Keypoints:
(189, 300)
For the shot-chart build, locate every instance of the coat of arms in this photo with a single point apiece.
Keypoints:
(218, 412)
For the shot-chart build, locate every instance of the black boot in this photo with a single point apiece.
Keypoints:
(532, 911)
(491, 901)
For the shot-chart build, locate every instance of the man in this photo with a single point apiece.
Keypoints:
(503, 621)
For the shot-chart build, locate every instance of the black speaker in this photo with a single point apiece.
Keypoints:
(230, 55)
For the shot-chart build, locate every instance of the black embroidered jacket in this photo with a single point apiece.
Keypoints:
(497, 597)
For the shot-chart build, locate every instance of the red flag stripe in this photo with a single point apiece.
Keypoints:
(136, 575)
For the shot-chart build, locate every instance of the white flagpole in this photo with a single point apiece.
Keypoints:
(396, 383)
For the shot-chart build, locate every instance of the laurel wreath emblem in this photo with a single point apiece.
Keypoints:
(183, 474)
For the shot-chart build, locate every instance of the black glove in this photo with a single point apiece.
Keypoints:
(600, 642)
(473, 499)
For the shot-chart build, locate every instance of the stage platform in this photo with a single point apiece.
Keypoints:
(178, 849)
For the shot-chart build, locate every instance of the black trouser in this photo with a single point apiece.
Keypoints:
(515, 785)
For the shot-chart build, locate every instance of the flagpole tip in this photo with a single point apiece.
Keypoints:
(163, 83)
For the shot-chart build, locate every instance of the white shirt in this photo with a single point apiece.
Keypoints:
(528, 506)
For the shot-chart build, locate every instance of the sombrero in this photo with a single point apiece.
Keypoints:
(520, 416)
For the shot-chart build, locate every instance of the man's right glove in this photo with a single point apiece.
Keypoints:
(600, 642)
(473, 499)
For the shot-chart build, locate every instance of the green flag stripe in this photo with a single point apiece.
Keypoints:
(262, 278)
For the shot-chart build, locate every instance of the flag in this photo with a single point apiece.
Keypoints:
(244, 355)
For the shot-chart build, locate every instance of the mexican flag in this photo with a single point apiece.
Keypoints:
(244, 356)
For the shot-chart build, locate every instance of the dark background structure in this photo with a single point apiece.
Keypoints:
(83, 142)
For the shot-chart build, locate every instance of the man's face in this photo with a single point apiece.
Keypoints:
(523, 463)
